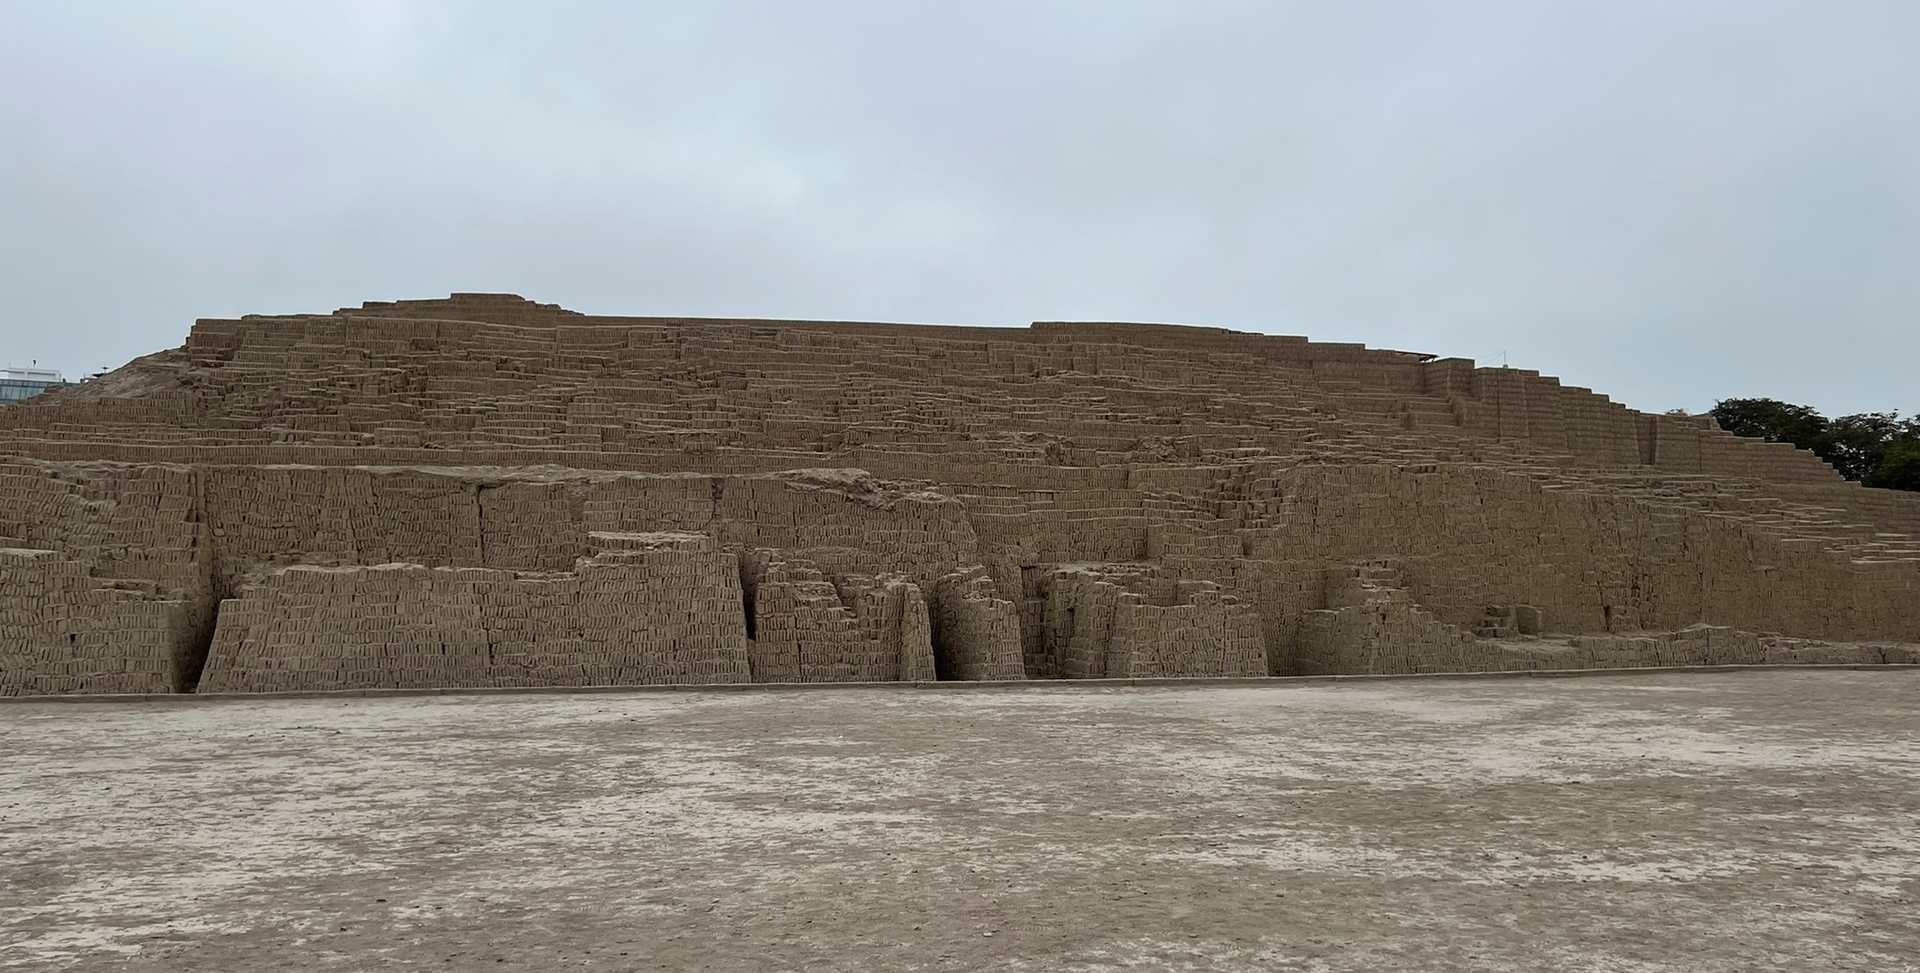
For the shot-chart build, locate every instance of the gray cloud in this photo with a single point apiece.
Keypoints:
(1668, 202)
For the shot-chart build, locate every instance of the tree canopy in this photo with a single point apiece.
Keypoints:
(1876, 448)
(1900, 468)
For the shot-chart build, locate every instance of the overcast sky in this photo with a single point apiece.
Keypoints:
(1668, 202)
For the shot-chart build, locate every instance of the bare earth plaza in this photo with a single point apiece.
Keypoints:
(473, 631)
(1701, 822)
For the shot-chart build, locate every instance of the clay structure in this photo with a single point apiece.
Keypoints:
(486, 491)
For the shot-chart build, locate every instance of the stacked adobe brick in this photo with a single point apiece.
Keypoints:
(1212, 478)
(627, 618)
(854, 628)
(104, 584)
(1128, 621)
(976, 633)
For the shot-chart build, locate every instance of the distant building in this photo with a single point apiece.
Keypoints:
(25, 383)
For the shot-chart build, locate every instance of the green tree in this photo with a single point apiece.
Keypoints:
(1772, 420)
(1856, 444)
(1899, 469)
(1875, 448)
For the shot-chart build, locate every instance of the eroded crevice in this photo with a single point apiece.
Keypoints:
(750, 571)
(195, 644)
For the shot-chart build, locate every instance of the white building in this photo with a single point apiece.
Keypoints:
(25, 383)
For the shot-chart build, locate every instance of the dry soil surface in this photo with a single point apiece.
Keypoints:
(1745, 821)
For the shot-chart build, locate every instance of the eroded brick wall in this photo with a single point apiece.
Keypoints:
(1212, 479)
(105, 583)
(627, 618)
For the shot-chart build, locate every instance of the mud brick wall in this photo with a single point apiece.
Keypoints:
(1042, 527)
(1373, 625)
(1082, 611)
(808, 628)
(535, 525)
(651, 503)
(1397, 636)
(1658, 556)
(106, 584)
(1700, 645)
(658, 617)
(976, 633)
(125, 522)
(643, 617)
(847, 523)
(491, 432)
(1122, 621)
(390, 626)
(1593, 561)
(344, 515)
(1208, 633)
(1387, 637)
(896, 613)
(539, 519)
(64, 631)
(1786, 651)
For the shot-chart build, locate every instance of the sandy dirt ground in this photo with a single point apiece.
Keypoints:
(1698, 822)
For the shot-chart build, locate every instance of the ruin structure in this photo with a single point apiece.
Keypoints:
(487, 491)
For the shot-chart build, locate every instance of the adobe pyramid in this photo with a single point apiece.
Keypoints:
(486, 491)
